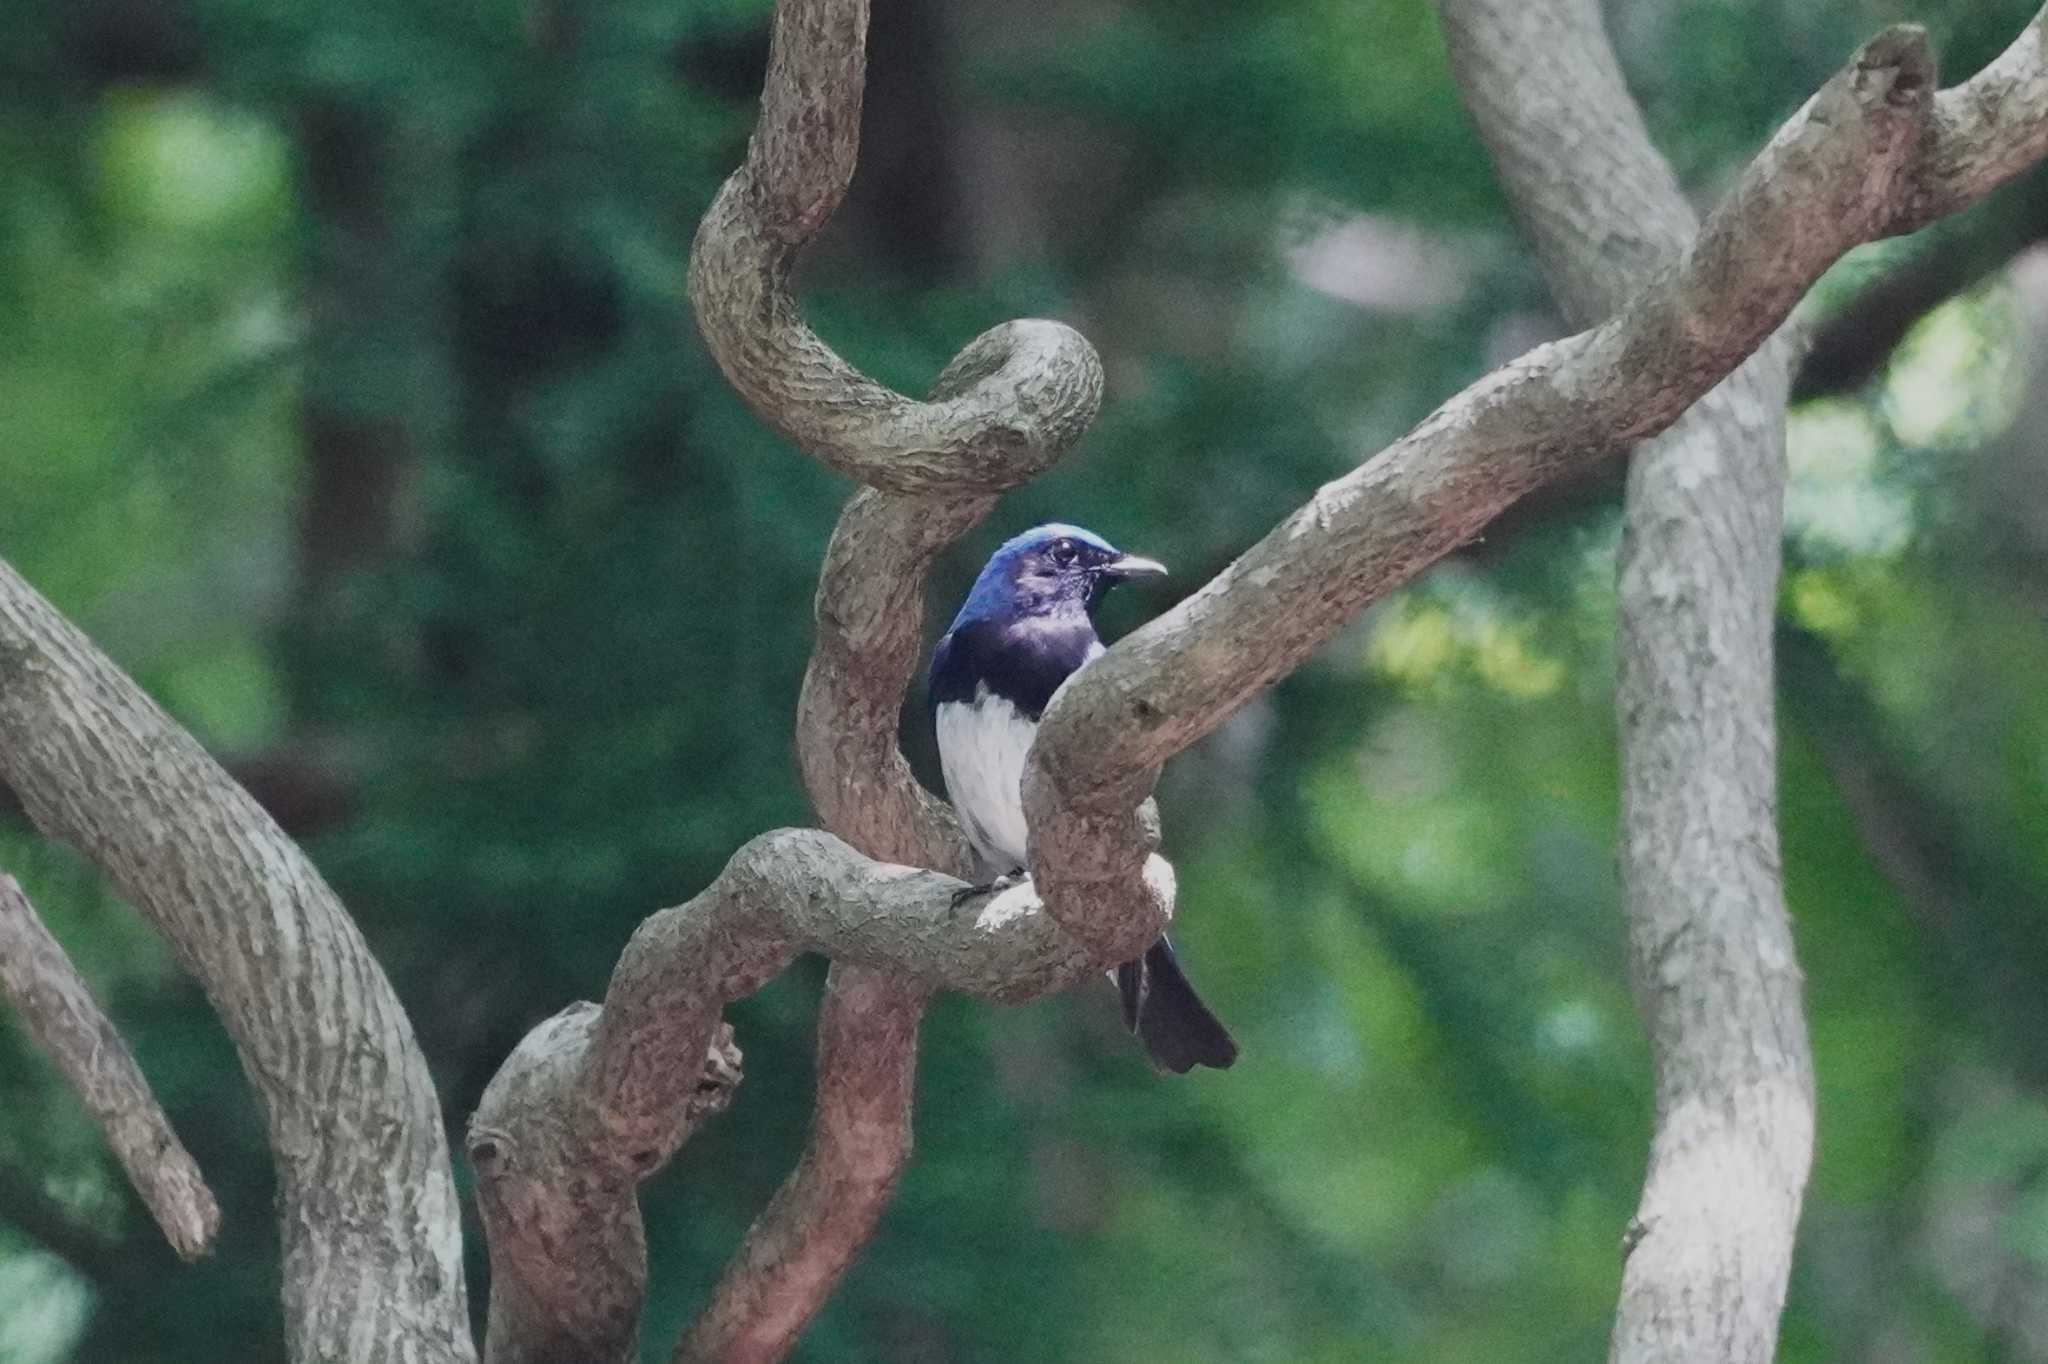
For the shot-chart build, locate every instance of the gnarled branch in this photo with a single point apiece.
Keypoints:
(59, 1011)
(1853, 165)
(870, 614)
(1007, 406)
(598, 1099)
(1015, 399)
(1866, 157)
(366, 1198)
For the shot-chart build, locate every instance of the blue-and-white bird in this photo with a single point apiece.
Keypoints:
(1023, 630)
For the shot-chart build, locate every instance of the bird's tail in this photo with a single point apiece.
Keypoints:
(1168, 1016)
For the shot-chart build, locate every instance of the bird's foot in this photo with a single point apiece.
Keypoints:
(987, 888)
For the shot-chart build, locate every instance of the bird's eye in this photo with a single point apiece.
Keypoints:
(1063, 552)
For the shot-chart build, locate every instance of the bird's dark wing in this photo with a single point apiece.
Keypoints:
(1022, 663)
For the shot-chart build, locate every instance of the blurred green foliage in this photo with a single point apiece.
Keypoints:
(348, 397)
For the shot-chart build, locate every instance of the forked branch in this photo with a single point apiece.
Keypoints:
(1873, 153)
(371, 1232)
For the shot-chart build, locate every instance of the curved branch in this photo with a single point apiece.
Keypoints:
(1020, 394)
(870, 625)
(1013, 401)
(598, 1099)
(1711, 953)
(366, 1198)
(825, 1212)
(870, 614)
(59, 1011)
(1854, 164)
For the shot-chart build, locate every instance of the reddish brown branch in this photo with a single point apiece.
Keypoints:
(1853, 343)
(809, 1235)
(68, 1024)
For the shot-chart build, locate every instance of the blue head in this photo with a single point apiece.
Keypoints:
(1047, 571)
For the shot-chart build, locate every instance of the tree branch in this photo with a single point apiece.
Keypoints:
(1853, 343)
(1006, 407)
(61, 1014)
(1711, 955)
(370, 1226)
(825, 1212)
(596, 1100)
(1855, 163)
(1019, 395)
(870, 617)
(1984, 131)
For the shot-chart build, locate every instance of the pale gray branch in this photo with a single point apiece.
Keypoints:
(68, 1024)
(367, 1210)
(1016, 398)
(1711, 954)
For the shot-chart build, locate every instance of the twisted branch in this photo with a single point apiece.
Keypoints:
(869, 635)
(597, 1099)
(1006, 407)
(1019, 395)
(67, 1022)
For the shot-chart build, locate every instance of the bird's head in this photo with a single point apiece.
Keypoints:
(1049, 569)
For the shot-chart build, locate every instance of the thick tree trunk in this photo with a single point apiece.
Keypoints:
(1710, 945)
(366, 1199)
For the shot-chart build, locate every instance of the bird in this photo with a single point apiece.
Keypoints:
(1023, 630)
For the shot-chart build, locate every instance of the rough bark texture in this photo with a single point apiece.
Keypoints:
(1023, 392)
(1008, 405)
(60, 1013)
(825, 1212)
(366, 1201)
(870, 614)
(1853, 343)
(1710, 944)
(596, 1099)
(1874, 152)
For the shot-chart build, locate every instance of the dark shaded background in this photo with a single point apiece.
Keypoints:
(348, 398)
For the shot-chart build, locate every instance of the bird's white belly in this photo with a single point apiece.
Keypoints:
(982, 746)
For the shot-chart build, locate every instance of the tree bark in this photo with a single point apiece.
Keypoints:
(1873, 153)
(366, 1198)
(870, 616)
(596, 1099)
(59, 1011)
(1710, 945)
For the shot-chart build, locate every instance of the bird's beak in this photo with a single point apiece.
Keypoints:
(1131, 566)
